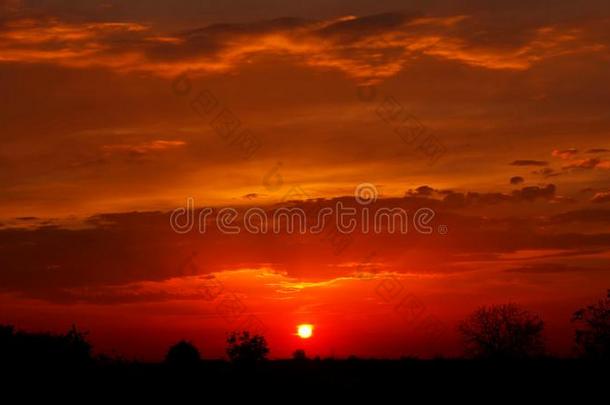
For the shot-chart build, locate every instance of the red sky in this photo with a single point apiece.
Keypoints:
(114, 113)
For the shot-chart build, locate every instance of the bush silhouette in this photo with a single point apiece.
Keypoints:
(593, 330)
(502, 332)
(183, 354)
(245, 349)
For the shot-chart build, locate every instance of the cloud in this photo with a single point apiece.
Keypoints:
(590, 163)
(532, 193)
(516, 180)
(584, 216)
(569, 155)
(367, 49)
(144, 147)
(603, 197)
(126, 248)
(27, 218)
(550, 268)
(547, 172)
(598, 150)
(250, 196)
(526, 162)
(421, 191)
(565, 154)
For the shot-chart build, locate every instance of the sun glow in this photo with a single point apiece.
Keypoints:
(305, 331)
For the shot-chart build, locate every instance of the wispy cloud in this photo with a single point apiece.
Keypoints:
(144, 147)
(602, 197)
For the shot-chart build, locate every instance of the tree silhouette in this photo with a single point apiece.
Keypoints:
(183, 354)
(78, 347)
(299, 355)
(28, 349)
(7, 344)
(502, 332)
(592, 336)
(245, 349)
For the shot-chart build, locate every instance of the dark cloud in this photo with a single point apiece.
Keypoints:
(368, 25)
(250, 196)
(27, 218)
(546, 172)
(516, 180)
(587, 164)
(551, 268)
(583, 164)
(597, 216)
(526, 162)
(487, 198)
(532, 193)
(421, 191)
(598, 150)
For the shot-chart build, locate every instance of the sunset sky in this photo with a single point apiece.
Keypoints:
(113, 113)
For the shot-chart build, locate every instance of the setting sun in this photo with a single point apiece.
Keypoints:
(305, 331)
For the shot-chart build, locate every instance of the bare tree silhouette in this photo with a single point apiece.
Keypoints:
(246, 349)
(592, 336)
(183, 354)
(502, 332)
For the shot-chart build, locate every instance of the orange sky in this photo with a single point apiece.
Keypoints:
(114, 113)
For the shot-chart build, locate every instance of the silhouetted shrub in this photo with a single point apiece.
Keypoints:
(593, 330)
(245, 349)
(502, 332)
(183, 354)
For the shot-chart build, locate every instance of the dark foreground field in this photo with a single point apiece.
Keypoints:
(352, 377)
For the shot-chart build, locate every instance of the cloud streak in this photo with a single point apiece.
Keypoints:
(367, 49)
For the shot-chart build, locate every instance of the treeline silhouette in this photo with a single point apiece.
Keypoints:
(501, 343)
(24, 349)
